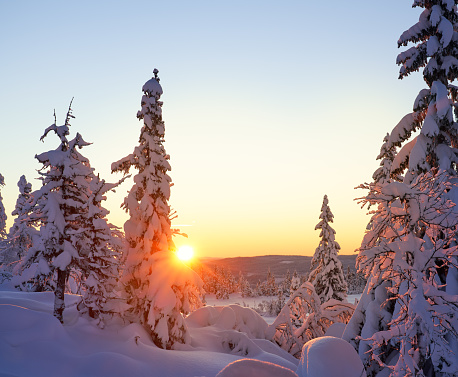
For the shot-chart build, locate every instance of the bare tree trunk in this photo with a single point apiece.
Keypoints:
(59, 303)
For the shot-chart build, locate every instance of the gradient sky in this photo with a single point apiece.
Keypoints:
(268, 106)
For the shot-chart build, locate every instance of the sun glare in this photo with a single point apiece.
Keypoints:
(185, 253)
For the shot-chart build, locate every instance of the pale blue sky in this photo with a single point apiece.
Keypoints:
(268, 105)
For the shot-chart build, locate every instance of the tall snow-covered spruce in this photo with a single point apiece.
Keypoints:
(74, 238)
(407, 318)
(326, 269)
(60, 208)
(318, 303)
(159, 289)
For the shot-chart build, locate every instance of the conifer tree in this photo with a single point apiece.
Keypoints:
(303, 318)
(405, 324)
(244, 286)
(375, 309)
(60, 206)
(259, 290)
(20, 234)
(63, 210)
(269, 287)
(409, 251)
(295, 283)
(19, 238)
(101, 252)
(433, 109)
(326, 269)
(36, 269)
(149, 234)
(286, 283)
(4, 258)
(2, 212)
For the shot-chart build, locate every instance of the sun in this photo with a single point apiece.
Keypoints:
(185, 253)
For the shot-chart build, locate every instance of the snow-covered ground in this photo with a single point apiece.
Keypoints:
(253, 302)
(237, 299)
(34, 344)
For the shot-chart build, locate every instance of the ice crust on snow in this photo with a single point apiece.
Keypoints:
(255, 368)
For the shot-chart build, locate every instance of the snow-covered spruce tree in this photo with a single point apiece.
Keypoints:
(416, 229)
(158, 288)
(436, 51)
(60, 206)
(295, 283)
(2, 212)
(4, 255)
(209, 278)
(244, 286)
(36, 269)
(20, 234)
(434, 114)
(101, 254)
(326, 269)
(221, 290)
(19, 238)
(374, 310)
(286, 284)
(270, 287)
(434, 110)
(303, 318)
(66, 192)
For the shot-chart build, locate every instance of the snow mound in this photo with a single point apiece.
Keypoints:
(231, 317)
(235, 330)
(254, 368)
(329, 357)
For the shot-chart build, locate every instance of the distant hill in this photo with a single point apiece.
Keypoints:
(255, 268)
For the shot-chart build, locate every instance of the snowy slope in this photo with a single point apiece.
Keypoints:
(34, 343)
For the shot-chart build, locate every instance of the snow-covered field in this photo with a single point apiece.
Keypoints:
(34, 344)
(253, 302)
